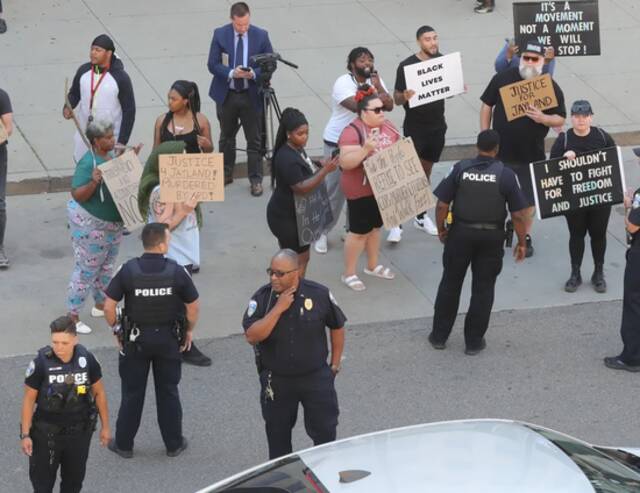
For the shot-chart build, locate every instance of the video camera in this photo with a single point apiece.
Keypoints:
(268, 63)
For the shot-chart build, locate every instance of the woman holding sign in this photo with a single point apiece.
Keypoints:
(95, 224)
(293, 173)
(362, 138)
(581, 138)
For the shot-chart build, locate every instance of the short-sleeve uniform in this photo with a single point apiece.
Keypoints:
(290, 167)
(293, 364)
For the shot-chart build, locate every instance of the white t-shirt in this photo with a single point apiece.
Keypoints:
(344, 87)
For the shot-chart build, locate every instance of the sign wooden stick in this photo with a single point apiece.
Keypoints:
(67, 104)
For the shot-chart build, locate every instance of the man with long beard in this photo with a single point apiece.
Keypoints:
(522, 139)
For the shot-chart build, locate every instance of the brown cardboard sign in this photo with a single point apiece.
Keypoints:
(122, 177)
(517, 97)
(187, 176)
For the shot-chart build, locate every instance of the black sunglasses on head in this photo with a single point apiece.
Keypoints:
(377, 110)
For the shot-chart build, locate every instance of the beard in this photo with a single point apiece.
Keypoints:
(363, 72)
(530, 71)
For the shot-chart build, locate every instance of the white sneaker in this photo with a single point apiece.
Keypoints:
(320, 246)
(96, 313)
(426, 225)
(82, 328)
(395, 235)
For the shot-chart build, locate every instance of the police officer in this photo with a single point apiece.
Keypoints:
(286, 323)
(161, 309)
(629, 358)
(64, 382)
(479, 189)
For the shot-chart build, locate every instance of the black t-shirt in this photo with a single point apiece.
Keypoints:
(427, 116)
(569, 141)
(522, 139)
(36, 371)
(289, 168)
(634, 218)
(5, 106)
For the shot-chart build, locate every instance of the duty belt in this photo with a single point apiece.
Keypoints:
(483, 226)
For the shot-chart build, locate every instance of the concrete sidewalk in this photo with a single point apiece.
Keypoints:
(159, 43)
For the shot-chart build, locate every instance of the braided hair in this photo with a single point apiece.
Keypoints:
(188, 90)
(291, 119)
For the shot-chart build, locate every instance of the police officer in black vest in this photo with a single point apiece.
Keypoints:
(64, 382)
(286, 323)
(479, 189)
(161, 309)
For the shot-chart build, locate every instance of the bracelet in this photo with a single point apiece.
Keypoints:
(24, 435)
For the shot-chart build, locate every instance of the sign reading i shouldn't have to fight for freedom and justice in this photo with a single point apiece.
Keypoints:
(517, 97)
(434, 79)
(572, 28)
(593, 179)
(191, 176)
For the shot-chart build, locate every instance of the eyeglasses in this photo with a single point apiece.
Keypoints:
(377, 110)
(278, 273)
(529, 58)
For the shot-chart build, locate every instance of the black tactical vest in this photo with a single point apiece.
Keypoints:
(478, 198)
(150, 298)
(64, 397)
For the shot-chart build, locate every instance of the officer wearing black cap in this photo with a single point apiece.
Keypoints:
(629, 358)
(64, 383)
(160, 311)
(286, 323)
(477, 191)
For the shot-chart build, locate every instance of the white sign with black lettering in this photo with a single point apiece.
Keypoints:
(435, 79)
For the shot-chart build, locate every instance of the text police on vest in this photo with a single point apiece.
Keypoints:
(154, 292)
(478, 177)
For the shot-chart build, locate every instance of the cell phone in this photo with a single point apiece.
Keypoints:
(335, 152)
(245, 69)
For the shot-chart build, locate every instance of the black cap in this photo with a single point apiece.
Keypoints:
(533, 47)
(105, 42)
(488, 140)
(636, 151)
(581, 107)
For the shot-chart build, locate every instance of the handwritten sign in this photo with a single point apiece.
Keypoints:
(572, 28)
(434, 79)
(593, 179)
(184, 175)
(4, 136)
(399, 183)
(122, 177)
(517, 97)
(313, 214)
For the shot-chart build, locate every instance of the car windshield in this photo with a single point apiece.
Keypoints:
(605, 474)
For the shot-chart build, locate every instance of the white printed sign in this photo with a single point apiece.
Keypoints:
(435, 79)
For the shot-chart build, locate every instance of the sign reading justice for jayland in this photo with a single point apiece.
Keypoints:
(434, 79)
(187, 176)
(537, 92)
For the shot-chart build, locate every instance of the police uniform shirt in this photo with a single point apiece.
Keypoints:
(508, 185)
(154, 263)
(634, 218)
(298, 343)
(522, 139)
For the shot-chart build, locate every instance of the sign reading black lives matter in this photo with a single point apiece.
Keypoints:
(592, 179)
(313, 214)
(572, 28)
(434, 79)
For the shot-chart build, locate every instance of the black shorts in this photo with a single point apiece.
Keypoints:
(524, 178)
(364, 215)
(286, 232)
(428, 143)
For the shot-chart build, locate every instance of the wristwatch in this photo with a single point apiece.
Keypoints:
(24, 435)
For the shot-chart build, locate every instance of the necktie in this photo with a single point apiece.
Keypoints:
(238, 84)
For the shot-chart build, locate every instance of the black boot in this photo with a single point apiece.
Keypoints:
(597, 279)
(574, 281)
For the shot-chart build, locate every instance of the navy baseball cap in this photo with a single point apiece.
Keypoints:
(581, 107)
(533, 47)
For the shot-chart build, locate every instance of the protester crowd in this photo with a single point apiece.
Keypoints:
(101, 104)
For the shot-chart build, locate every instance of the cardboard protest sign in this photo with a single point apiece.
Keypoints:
(517, 97)
(572, 28)
(593, 179)
(122, 177)
(183, 176)
(399, 183)
(313, 214)
(4, 136)
(434, 79)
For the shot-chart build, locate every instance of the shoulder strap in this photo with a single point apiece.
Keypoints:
(604, 137)
(566, 140)
(360, 136)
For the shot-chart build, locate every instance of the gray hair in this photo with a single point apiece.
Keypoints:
(98, 128)
(287, 254)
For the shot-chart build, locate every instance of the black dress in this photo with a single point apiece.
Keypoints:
(289, 168)
(190, 139)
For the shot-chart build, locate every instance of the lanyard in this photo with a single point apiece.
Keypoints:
(95, 89)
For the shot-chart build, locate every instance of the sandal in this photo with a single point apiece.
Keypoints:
(353, 282)
(380, 271)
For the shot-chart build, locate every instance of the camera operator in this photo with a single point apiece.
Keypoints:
(235, 91)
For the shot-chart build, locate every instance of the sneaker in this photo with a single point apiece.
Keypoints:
(395, 235)
(320, 246)
(615, 363)
(4, 261)
(82, 328)
(483, 9)
(96, 312)
(529, 248)
(179, 450)
(195, 357)
(125, 454)
(426, 225)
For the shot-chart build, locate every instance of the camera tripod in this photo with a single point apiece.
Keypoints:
(271, 114)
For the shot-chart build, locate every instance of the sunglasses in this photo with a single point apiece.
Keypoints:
(278, 273)
(528, 58)
(377, 110)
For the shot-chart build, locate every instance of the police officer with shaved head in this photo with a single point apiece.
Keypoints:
(286, 322)
(160, 311)
(476, 191)
(64, 384)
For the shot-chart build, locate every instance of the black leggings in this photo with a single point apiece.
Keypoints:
(595, 221)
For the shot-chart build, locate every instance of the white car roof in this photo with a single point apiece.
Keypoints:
(492, 456)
